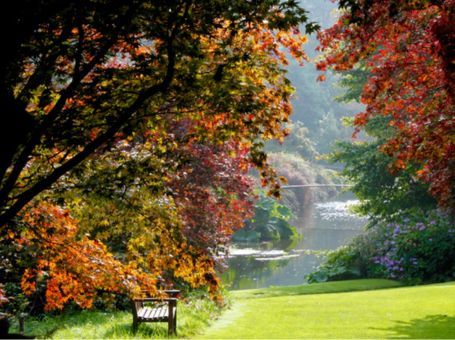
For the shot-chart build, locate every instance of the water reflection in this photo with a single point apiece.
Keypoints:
(324, 226)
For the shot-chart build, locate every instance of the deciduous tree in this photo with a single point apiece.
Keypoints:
(78, 75)
(125, 97)
(408, 49)
(48, 254)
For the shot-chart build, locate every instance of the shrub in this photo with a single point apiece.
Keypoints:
(416, 248)
(352, 261)
(270, 223)
(419, 248)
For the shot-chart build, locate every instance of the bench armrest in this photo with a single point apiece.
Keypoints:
(155, 299)
(170, 292)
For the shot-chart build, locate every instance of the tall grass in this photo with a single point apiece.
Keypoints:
(193, 316)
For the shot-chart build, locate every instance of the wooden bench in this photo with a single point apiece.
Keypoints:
(160, 310)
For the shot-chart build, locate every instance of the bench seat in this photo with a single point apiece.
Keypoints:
(160, 310)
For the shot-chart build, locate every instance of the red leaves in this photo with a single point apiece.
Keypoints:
(410, 80)
(321, 66)
(215, 197)
(360, 119)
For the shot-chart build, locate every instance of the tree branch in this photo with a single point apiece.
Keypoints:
(46, 182)
(50, 118)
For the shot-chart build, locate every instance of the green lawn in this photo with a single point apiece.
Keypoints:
(329, 311)
(345, 309)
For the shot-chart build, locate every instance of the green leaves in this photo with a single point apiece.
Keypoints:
(383, 194)
(270, 222)
(401, 76)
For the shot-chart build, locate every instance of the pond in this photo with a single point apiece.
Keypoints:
(324, 226)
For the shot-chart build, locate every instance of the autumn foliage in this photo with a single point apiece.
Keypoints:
(73, 84)
(213, 193)
(408, 49)
(141, 119)
(69, 267)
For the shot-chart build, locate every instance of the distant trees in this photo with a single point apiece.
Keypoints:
(385, 192)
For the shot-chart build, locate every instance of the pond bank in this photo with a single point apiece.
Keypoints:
(325, 226)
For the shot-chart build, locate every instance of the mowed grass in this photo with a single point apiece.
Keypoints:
(334, 310)
(344, 309)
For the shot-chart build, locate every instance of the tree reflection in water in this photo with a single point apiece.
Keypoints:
(325, 226)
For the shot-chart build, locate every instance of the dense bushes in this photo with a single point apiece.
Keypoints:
(270, 223)
(416, 248)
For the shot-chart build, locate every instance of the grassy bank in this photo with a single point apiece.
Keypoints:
(330, 310)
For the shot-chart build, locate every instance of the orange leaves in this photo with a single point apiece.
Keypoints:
(72, 268)
(94, 133)
(360, 119)
(142, 50)
(64, 287)
(408, 80)
(174, 260)
(400, 164)
(223, 83)
(28, 284)
(424, 172)
(274, 42)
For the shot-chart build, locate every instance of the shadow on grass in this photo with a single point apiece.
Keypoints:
(431, 327)
(319, 288)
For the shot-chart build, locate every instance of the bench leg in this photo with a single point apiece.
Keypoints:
(135, 326)
(172, 324)
(170, 327)
(21, 325)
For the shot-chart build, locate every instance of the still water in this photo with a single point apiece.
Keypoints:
(324, 226)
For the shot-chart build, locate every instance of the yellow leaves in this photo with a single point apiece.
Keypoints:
(174, 258)
(72, 269)
(104, 222)
(10, 234)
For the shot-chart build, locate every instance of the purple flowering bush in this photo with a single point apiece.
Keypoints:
(416, 248)
(353, 261)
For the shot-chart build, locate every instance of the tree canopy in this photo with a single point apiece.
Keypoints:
(81, 76)
(407, 49)
(134, 123)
